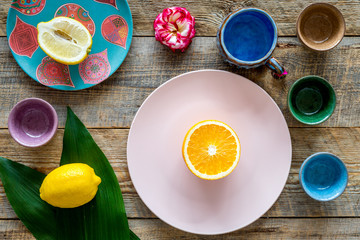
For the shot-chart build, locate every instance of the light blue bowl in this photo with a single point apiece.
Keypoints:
(323, 176)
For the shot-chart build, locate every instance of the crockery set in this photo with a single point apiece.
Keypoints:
(311, 99)
(246, 38)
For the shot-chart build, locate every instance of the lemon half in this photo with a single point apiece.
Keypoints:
(65, 40)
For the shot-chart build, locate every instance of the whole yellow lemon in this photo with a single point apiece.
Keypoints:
(70, 185)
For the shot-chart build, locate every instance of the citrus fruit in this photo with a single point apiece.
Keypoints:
(65, 40)
(211, 149)
(70, 185)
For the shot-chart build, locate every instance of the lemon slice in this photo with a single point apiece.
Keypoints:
(65, 40)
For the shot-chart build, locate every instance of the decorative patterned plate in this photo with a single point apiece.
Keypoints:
(108, 21)
(160, 175)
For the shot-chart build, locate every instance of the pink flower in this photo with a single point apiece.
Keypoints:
(175, 28)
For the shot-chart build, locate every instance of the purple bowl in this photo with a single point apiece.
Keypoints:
(32, 122)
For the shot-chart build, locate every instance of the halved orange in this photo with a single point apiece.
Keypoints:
(211, 149)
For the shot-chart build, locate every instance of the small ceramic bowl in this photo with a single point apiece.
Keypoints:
(32, 122)
(320, 26)
(247, 38)
(311, 100)
(323, 176)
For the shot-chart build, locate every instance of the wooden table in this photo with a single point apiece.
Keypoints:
(108, 109)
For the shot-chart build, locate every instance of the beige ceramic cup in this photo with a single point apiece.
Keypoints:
(320, 26)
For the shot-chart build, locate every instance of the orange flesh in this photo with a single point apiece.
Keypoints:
(212, 149)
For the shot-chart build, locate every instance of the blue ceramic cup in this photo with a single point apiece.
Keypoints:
(247, 38)
(323, 176)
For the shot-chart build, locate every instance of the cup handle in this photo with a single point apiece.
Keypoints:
(278, 71)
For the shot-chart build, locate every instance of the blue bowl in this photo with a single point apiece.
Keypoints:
(247, 37)
(323, 176)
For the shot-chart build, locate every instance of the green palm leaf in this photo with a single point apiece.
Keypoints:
(103, 222)
(102, 218)
(22, 186)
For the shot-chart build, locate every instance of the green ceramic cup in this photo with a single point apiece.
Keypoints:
(311, 100)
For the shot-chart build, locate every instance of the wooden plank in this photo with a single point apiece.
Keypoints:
(209, 14)
(114, 102)
(343, 142)
(4, 8)
(262, 229)
(266, 229)
(293, 202)
(14, 229)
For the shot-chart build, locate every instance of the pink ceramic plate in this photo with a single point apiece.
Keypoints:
(158, 170)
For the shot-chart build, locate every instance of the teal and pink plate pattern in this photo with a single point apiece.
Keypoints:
(108, 21)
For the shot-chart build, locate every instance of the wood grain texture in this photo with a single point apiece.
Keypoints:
(209, 14)
(109, 108)
(262, 229)
(149, 64)
(4, 9)
(293, 202)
